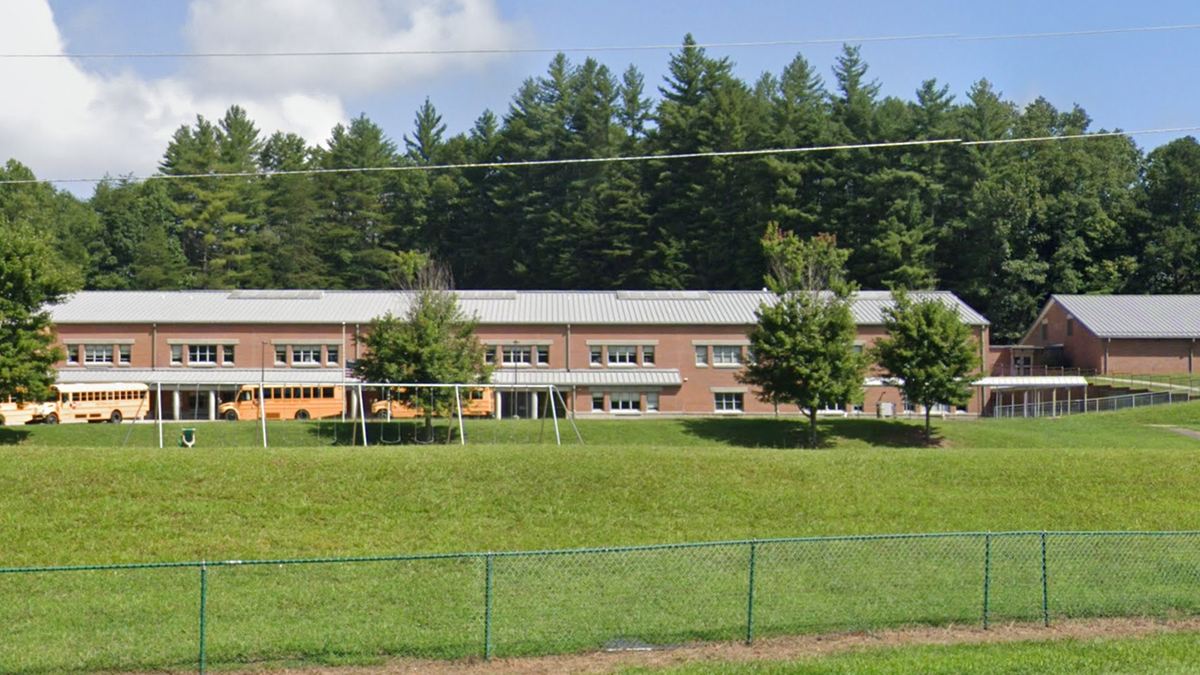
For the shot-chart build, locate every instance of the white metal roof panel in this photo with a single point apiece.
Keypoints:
(588, 378)
(491, 307)
(173, 377)
(1135, 316)
(1033, 382)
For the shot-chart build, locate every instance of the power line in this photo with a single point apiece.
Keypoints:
(608, 160)
(1081, 33)
(599, 48)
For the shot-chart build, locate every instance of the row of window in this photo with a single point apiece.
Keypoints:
(519, 355)
(621, 355)
(99, 355)
(635, 401)
(721, 355)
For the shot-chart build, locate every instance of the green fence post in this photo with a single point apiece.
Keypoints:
(987, 577)
(750, 596)
(1045, 587)
(487, 611)
(203, 608)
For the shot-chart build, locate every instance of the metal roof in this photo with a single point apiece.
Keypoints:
(1032, 382)
(589, 378)
(202, 376)
(1135, 316)
(638, 308)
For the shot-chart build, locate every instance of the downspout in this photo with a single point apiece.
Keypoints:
(1191, 352)
(154, 347)
(1107, 342)
(568, 363)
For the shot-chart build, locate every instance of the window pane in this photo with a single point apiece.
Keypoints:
(620, 354)
(489, 355)
(651, 401)
(701, 356)
(124, 352)
(98, 354)
(597, 356)
(516, 355)
(176, 354)
(543, 355)
(202, 354)
(308, 354)
(727, 356)
(72, 354)
(281, 355)
(332, 352)
(727, 402)
(648, 355)
(227, 355)
(597, 401)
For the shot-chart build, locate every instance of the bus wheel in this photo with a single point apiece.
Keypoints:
(52, 418)
(302, 414)
(115, 417)
(231, 416)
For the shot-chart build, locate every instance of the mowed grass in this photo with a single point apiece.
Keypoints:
(635, 482)
(1160, 654)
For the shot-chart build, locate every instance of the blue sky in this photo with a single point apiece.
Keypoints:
(88, 117)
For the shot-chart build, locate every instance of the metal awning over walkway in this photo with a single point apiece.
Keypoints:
(1032, 382)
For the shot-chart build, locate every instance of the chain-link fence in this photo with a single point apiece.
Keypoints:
(240, 613)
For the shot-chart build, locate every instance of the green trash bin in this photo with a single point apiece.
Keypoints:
(188, 438)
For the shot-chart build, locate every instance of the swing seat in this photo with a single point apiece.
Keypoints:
(187, 439)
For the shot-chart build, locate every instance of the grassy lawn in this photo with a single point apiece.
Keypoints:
(1162, 654)
(74, 496)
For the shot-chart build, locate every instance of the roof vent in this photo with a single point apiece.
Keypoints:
(276, 295)
(664, 295)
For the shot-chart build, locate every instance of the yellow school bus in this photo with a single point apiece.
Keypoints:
(110, 402)
(14, 414)
(285, 402)
(480, 402)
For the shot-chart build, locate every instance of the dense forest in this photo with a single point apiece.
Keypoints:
(1001, 225)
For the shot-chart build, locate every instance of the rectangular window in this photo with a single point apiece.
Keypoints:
(728, 402)
(652, 401)
(306, 354)
(543, 355)
(98, 354)
(281, 355)
(513, 356)
(648, 355)
(625, 400)
(596, 353)
(489, 355)
(177, 355)
(622, 355)
(227, 355)
(727, 356)
(598, 402)
(72, 354)
(1070, 327)
(203, 355)
(123, 354)
(332, 354)
(1045, 330)
(701, 355)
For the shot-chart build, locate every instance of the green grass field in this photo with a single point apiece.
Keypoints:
(1162, 655)
(74, 496)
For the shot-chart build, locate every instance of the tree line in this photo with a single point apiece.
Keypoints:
(1001, 225)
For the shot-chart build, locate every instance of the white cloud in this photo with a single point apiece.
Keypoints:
(237, 26)
(65, 121)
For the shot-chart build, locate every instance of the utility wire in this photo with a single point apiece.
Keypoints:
(607, 160)
(601, 48)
